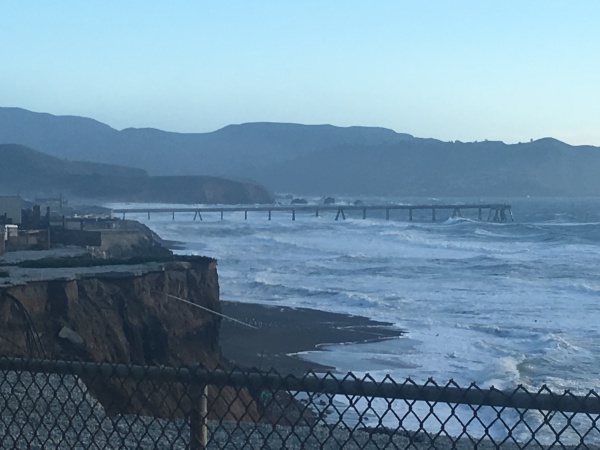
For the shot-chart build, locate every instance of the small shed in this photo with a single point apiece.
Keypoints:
(10, 209)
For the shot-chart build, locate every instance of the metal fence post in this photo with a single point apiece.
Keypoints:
(198, 417)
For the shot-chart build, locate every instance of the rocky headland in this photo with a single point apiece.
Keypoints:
(34, 174)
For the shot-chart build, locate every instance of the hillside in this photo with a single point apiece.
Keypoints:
(541, 168)
(320, 159)
(31, 173)
(235, 150)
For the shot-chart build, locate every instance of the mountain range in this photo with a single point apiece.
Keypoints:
(319, 159)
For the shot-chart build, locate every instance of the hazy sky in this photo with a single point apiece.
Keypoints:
(449, 69)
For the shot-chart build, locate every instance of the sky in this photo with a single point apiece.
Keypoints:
(452, 70)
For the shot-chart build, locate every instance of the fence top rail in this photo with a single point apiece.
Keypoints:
(327, 383)
(304, 207)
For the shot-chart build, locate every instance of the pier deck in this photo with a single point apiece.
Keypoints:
(497, 212)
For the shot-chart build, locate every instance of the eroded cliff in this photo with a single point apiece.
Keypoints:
(122, 313)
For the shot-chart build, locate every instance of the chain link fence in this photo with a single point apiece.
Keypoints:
(61, 404)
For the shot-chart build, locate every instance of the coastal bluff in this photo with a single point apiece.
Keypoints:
(120, 311)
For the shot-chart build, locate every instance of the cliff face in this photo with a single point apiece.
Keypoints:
(121, 314)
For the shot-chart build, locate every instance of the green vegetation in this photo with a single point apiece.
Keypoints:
(89, 261)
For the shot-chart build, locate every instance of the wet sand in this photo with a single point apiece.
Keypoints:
(281, 332)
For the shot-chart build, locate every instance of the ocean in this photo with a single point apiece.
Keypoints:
(498, 304)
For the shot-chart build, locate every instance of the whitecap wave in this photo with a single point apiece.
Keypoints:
(478, 299)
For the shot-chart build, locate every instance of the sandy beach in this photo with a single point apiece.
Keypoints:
(282, 332)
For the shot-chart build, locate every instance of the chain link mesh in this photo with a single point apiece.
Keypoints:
(61, 404)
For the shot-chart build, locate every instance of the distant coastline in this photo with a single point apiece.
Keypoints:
(32, 174)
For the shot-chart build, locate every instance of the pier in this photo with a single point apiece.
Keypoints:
(491, 212)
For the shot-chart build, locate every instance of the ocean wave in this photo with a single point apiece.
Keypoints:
(459, 221)
(482, 300)
(276, 290)
(504, 373)
(564, 283)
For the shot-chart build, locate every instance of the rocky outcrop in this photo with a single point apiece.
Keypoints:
(123, 314)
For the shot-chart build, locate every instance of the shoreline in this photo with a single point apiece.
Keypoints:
(284, 332)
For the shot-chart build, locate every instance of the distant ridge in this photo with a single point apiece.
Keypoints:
(320, 159)
(231, 150)
(30, 173)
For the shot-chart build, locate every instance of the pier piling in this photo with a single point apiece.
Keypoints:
(340, 211)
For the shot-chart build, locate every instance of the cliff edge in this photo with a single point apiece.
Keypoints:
(122, 312)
